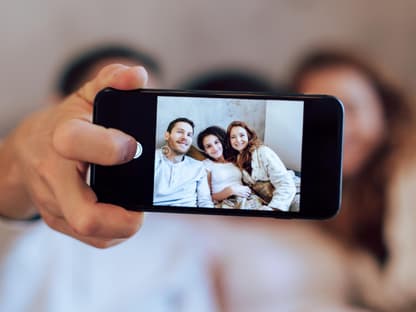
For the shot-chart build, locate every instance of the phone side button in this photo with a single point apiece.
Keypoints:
(139, 151)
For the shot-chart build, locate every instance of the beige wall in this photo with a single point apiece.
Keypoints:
(190, 36)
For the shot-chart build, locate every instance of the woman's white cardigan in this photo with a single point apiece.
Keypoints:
(267, 166)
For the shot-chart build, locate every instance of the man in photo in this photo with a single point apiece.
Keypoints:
(179, 179)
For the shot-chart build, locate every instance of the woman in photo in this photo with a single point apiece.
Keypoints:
(260, 167)
(224, 177)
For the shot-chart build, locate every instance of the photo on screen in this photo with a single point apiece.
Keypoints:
(228, 153)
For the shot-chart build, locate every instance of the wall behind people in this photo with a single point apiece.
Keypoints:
(190, 36)
(279, 125)
(209, 112)
(283, 131)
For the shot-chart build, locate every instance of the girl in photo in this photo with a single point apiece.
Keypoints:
(261, 167)
(224, 177)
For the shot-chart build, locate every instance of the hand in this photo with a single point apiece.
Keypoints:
(47, 157)
(240, 190)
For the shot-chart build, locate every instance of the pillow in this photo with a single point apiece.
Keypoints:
(196, 153)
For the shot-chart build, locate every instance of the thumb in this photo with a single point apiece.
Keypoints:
(117, 76)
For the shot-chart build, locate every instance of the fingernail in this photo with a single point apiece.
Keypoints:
(130, 149)
(142, 72)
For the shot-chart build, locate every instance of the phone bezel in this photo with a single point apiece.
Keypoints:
(321, 172)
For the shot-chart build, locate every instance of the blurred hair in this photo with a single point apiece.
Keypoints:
(244, 161)
(362, 216)
(229, 80)
(74, 72)
(219, 133)
(180, 119)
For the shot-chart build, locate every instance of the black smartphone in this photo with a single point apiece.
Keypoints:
(225, 153)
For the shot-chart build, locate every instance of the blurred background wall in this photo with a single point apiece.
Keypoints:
(191, 36)
(209, 112)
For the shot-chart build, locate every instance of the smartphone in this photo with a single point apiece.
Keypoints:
(224, 153)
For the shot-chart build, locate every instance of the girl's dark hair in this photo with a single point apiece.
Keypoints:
(362, 216)
(219, 133)
(244, 161)
(73, 74)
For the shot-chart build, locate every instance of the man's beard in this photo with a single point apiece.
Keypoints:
(178, 152)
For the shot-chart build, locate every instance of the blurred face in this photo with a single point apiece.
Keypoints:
(364, 121)
(238, 138)
(180, 138)
(212, 146)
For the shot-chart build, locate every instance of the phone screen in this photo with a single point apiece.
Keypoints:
(228, 153)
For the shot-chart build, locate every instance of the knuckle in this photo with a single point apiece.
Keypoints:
(134, 225)
(55, 223)
(131, 231)
(41, 167)
(50, 221)
(102, 244)
(63, 139)
(86, 226)
(40, 201)
(45, 169)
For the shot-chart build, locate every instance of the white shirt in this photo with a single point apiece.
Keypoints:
(182, 184)
(222, 175)
(162, 268)
(267, 166)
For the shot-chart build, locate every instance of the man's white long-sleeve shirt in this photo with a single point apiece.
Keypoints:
(182, 184)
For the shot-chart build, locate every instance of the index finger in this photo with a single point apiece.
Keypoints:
(87, 217)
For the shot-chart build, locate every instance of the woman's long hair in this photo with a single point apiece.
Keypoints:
(361, 220)
(243, 159)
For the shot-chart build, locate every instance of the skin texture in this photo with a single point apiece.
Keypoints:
(152, 81)
(179, 140)
(44, 171)
(238, 138)
(364, 120)
(213, 147)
